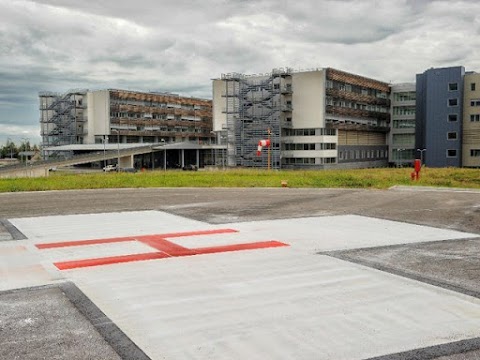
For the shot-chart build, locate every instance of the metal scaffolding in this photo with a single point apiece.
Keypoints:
(257, 107)
(62, 117)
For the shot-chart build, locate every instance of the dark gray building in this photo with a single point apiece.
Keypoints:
(439, 104)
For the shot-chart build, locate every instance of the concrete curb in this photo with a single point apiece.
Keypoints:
(433, 188)
(14, 232)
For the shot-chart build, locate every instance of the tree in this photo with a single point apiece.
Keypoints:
(9, 150)
(25, 146)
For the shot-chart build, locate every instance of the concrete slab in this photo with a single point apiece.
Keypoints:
(328, 233)
(274, 303)
(76, 227)
(22, 266)
(42, 323)
(450, 264)
(283, 303)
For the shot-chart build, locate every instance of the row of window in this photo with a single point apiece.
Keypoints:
(162, 129)
(454, 86)
(308, 132)
(404, 96)
(403, 139)
(311, 146)
(353, 105)
(337, 85)
(404, 110)
(362, 154)
(475, 102)
(146, 116)
(309, 161)
(158, 104)
(404, 124)
(454, 117)
(403, 154)
(409, 139)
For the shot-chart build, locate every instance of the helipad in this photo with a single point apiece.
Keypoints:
(284, 301)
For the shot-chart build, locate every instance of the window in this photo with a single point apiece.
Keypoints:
(475, 102)
(451, 153)
(452, 117)
(475, 117)
(453, 102)
(472, 86)
(452, 86)
(475, 152)
(404, 124)
(452, 136)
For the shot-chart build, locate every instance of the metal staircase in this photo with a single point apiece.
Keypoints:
(255, 109)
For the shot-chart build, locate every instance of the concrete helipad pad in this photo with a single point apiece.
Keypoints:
(283, 302)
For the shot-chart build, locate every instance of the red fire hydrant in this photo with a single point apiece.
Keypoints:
(417, 165)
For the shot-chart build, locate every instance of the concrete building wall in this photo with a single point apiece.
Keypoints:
(471, 121)
(219, 117)
(98, 110)
(308, 99)
(439, 114)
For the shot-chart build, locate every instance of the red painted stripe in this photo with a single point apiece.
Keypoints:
(173, 251)
(238, 247)
(83, 242)
(132, 238)
(67, 265)
(167, 246)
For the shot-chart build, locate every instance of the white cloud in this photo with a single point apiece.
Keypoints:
(179, 45)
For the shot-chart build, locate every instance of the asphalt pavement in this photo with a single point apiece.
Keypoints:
(449, 264)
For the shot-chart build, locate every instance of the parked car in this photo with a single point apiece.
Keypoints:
(190, 167)
(129, 170)
(109, 168)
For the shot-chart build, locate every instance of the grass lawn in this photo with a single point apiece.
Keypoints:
(362, 178)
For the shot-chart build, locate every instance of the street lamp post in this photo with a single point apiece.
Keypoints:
(162, 141)
(105, 138)
(223, 137)
(25, 141)
(400, 157)
(421, 155)
(9, 142)
(118, 148)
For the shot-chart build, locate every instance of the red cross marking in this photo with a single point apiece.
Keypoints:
(159, 242)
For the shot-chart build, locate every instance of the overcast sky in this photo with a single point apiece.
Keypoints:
(180, 45)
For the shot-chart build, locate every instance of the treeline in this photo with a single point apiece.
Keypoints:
(11, 150)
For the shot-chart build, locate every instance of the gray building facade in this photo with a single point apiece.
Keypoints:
(401, 138)
(439, 111)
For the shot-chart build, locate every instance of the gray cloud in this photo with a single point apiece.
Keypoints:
(179, 45)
